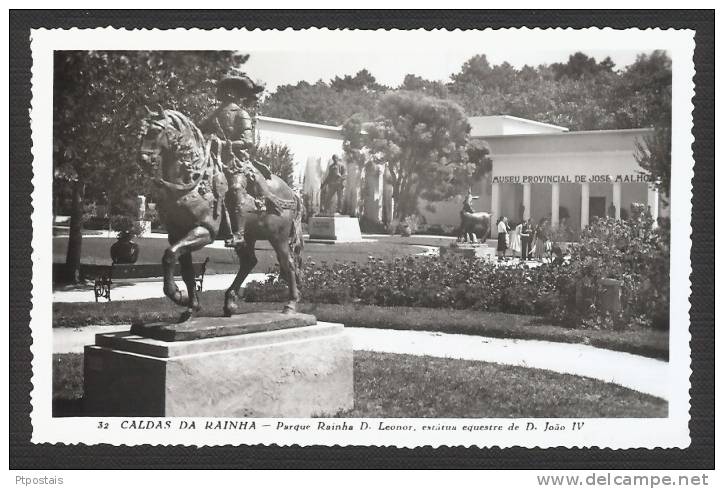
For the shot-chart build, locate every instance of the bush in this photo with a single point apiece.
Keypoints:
(153, 215)
(632, 251)
(371, 226)
(125, 225)
(96, 223)
(279, 159)
(422, 281)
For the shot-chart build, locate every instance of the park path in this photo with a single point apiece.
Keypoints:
(148, 289)
(635, 372)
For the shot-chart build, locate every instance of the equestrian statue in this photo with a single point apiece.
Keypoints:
(473, 225)
(207, 182)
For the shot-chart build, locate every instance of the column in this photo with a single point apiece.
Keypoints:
(555, 203)
(652, 200)
(526, 201)
(585, 199)
(494, 206)
(617, 199)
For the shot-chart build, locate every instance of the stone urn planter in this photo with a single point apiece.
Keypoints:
(405, 230)
(612, 295)
(125, 250)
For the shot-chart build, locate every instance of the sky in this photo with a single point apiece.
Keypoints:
(391, 65)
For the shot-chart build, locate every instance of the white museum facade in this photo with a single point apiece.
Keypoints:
(538, 171)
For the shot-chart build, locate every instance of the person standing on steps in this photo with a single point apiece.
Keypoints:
(502, 238)
(525, 240)
(541, 234)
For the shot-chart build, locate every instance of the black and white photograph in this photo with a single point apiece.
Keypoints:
(341, 237)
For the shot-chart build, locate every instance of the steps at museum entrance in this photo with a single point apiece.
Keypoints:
(482, 251)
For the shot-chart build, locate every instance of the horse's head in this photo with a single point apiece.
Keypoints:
(172, 147)
(154, 140)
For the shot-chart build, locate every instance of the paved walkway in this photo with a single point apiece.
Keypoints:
(642, 374)
(147, 289)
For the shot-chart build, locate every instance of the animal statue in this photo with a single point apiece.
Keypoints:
(474, 226)
(192, 187)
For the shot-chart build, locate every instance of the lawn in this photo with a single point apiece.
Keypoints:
(498, 325)
(389, 385)
(221, 260)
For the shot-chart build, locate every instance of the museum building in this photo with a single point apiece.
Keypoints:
(538, 171)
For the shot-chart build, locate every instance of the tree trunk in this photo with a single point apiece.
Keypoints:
(75, 234)
(396, 203)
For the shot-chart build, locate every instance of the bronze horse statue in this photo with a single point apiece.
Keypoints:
(474, 225)
(192, 189)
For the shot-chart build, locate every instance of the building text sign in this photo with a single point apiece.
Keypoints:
(622, 178)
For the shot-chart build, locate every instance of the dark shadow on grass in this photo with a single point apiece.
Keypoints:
(392, 386)
(67, 408)
(649, 343)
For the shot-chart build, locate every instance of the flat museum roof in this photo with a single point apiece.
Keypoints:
(300, 123)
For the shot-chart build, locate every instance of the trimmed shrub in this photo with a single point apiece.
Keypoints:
(632, 251)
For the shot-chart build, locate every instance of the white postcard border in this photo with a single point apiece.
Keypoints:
(611, 433)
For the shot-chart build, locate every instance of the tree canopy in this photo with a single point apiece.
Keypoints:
(581, 93)
(424, 141)
(326, 103)
(98, 103)
(99, 100)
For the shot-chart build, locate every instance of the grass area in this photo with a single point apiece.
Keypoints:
(389, 385)
(96, 250)
(644, 342)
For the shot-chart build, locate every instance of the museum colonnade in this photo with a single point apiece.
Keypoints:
(582, 201)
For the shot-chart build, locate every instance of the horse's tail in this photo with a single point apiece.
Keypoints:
(296, 237)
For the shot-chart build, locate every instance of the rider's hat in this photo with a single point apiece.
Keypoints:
(239, 82)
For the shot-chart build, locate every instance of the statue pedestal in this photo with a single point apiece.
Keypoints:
(334, 229)
(251, 365)
(469, 250)
(145, 227)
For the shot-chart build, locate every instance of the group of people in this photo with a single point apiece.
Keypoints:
(527, 241)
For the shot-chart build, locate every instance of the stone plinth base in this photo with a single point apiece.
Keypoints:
(295, 372)
(338, 229)
(464, 250)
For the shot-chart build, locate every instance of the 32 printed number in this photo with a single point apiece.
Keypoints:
(102, 425)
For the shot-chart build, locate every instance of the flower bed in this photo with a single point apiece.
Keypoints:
(422, 281)
(632, 251)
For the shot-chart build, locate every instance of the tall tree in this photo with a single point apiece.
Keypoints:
(321, 103)
(653, 154)
(580, 65)
(362, 81)
(423, 140)
(642, 96)
(278, 157)
(416, 83)
(646, 92)
(98, 99)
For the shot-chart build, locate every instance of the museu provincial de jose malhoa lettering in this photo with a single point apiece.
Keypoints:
(622, 178)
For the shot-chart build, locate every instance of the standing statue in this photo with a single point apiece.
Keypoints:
(333, 186)
(192, 174)
(234, 131)
(473, 225)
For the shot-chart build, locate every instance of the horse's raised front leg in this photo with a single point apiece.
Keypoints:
(196, 239)
(287, 269)
(247, 262)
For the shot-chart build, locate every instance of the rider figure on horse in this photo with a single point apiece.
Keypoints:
(466, 213)
(468, 202)
(232, 124)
